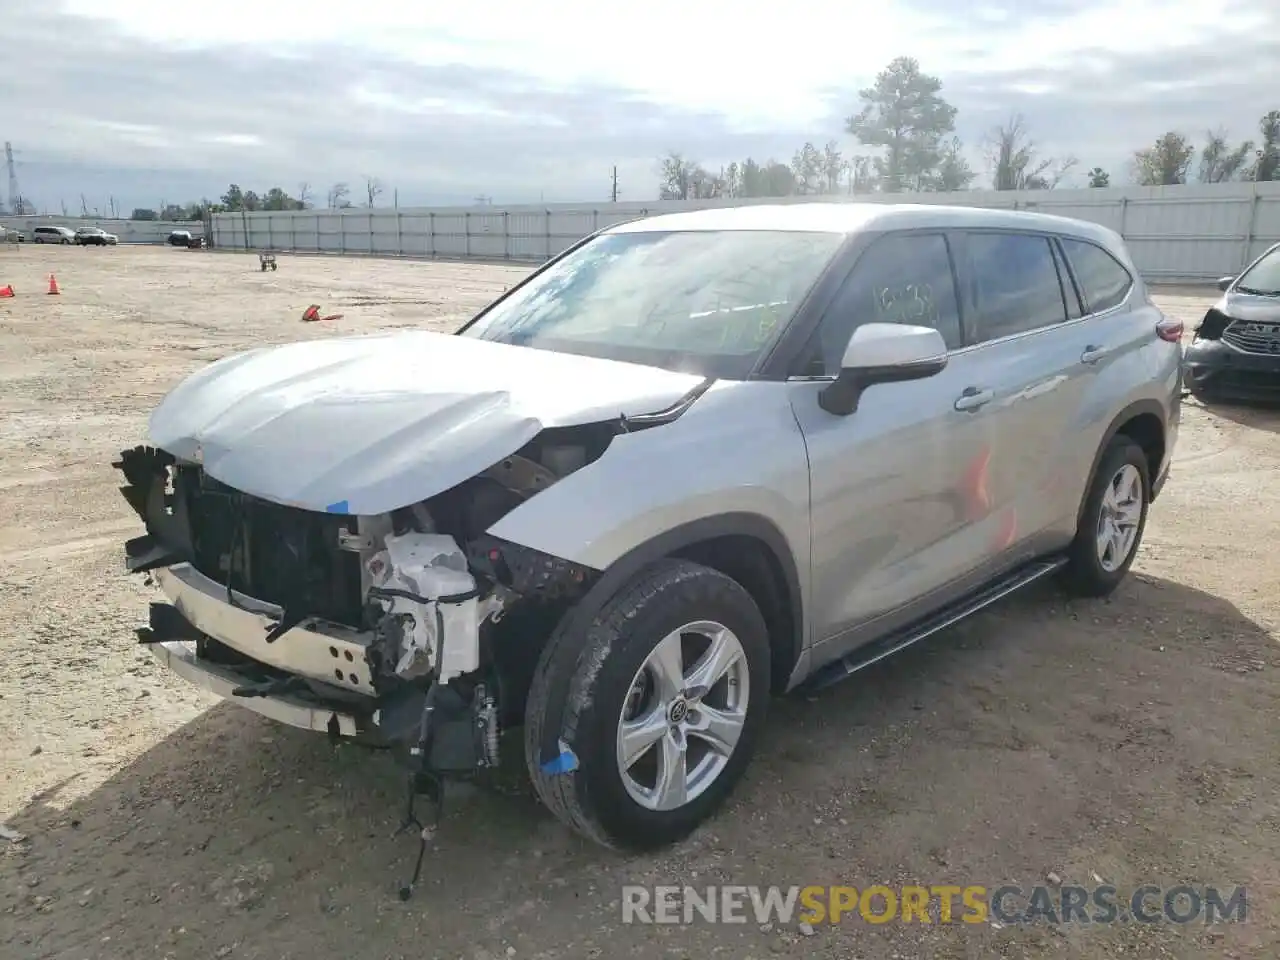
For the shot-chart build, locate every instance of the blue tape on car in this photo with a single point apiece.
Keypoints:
(567, 762)
(342, 506)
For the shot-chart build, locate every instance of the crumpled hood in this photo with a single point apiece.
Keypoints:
(368, 424)
(1249, 307)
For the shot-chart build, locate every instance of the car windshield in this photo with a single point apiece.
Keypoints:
(1263, 278)
(705, 302)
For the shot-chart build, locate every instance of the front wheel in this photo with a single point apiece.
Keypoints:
(666, 701)
(1112, 522)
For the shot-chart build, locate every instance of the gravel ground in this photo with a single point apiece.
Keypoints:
(1132, 741)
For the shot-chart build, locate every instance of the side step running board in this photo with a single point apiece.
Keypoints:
(946, 617)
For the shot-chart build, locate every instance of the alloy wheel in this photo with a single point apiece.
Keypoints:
(683, 716)
(1119, 517)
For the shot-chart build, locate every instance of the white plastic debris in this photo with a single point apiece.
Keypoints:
(428, 569)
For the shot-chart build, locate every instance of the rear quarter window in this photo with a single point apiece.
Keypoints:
(1104, 282)
(1015, 287)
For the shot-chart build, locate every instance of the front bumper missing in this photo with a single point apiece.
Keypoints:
(320, 651)
(221, 648)
(1214, 368)
(332, 658)
(180, 657)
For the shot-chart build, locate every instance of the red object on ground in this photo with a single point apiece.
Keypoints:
(53, 286)
(312, 314)
(6, 291)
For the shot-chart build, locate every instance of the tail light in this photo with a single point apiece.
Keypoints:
(1169, 331)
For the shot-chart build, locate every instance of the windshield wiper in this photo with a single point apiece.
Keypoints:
(1254, 291)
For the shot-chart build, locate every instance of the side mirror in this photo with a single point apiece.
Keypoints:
(883, 353)
(1224, 282)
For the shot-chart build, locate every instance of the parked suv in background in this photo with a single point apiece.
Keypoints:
(1235, 354)
(93, 236)
(694, 460)
(49, 234)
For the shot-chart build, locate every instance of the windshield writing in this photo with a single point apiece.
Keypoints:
(706, 302)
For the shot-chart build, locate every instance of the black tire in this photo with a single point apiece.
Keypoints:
(1084, 574)
(592, 798)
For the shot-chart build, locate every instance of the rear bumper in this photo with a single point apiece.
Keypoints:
(1216, 369)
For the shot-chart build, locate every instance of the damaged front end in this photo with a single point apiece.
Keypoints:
(413, 629)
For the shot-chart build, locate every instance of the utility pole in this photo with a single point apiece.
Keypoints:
(615, 184)
(16, 203)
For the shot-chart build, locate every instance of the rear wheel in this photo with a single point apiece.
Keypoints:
(1112, 522)
(666, 701)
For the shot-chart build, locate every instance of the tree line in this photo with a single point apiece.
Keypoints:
(909, 130)
(237, 199)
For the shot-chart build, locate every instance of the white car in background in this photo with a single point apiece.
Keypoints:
(48, 234)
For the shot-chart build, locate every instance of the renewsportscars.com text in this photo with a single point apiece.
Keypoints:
(939, 903)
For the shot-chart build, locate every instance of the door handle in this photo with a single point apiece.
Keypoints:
(1093, 354)
(973, 398)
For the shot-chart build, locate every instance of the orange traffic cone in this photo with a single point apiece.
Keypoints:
(312, 313)
(53, 286)
(6, 291)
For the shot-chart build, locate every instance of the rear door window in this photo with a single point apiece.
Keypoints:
(1014, 285)
(1104, 282)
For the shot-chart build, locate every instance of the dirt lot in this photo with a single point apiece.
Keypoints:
(1133, 741)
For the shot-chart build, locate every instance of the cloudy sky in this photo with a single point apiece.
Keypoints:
(156, 100)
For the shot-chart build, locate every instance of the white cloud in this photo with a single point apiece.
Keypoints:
(760, 66)
(522, 100)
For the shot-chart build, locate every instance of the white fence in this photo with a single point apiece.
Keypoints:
(129, 231)
(1176, 234)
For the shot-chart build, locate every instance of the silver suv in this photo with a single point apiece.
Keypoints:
(48, 234)
(693, 461)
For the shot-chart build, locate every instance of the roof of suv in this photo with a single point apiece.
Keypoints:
(856, 217)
